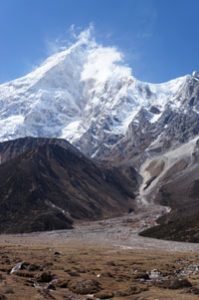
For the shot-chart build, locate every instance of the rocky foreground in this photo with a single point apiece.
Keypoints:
(100, 260)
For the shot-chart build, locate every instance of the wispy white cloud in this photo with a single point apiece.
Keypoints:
(70, 36)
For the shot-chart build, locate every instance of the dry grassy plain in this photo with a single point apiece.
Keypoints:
(102, 260)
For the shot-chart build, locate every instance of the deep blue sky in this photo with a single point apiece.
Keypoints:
(160, 38)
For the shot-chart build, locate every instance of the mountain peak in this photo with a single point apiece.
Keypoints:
(195, 74)
(85, 94)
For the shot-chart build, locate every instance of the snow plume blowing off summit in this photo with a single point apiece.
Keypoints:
(49, 101)
(85, 94)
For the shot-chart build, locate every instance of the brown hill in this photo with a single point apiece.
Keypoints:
(46, 184)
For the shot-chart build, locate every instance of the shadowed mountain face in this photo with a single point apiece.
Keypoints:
(46, 184)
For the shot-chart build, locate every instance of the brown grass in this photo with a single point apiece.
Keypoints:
(115, 270)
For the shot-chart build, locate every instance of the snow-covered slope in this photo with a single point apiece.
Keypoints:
(87, 95)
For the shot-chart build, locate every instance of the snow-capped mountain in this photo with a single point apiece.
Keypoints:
(87, 95)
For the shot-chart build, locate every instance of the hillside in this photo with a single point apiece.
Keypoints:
(48, 186)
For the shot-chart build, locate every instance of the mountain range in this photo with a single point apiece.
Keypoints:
(121, 130)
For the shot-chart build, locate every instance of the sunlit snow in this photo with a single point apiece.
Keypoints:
(85, 84)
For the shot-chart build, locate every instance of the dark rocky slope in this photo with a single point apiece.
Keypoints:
(46, 184)
(181, 193)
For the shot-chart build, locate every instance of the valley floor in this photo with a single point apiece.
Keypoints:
(100, 260)
(119, 233)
